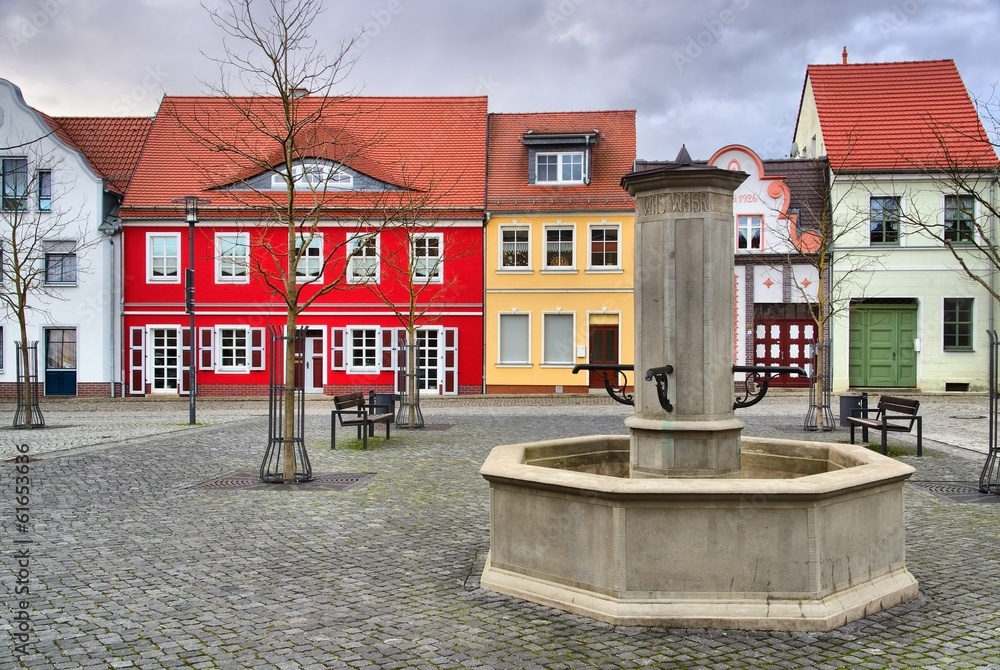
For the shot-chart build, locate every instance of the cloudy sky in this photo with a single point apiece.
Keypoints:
(705, 73)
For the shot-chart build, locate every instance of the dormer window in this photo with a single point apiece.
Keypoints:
(559, 159)
(315, 176)
(559, 168)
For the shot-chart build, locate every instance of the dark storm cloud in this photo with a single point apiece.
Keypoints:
(701, 73)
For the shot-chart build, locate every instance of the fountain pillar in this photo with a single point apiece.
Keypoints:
(684, 302)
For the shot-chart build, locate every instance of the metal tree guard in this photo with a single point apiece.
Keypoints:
(27, 388)
(989, 479)
(272, 468)
(819, 402)
(407, 401)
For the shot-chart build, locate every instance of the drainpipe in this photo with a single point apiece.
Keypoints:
(993, 241)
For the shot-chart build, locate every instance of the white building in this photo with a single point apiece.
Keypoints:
(63, 180)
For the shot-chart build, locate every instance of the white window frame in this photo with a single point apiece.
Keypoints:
(230, 261)
(376, 350)
(220, 345)
(604, 225)
(437, 266)
(545, 249)
(150, 277)
(572, 345)
(500, 340)
(750, 228)
(564, 159)
(353, 242)
(513, 227)
(313, 263)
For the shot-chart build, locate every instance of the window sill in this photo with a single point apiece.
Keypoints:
(557, 270)
(60, 284)
(165, 280)
(558, 183)
(514, 365)
(514, 271)
(243, 280)
(558, 365)
(232, 371)
(959, 351)
(605, 271)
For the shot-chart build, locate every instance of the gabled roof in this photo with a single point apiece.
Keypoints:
(111, 144)
(897, 116)
(428, 145)
(612, 157)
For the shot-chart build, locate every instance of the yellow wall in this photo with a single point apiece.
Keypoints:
(592, 296)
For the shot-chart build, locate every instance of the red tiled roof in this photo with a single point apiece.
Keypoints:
(611, 157)
(432, 145)
(111, 144)
(898, 116)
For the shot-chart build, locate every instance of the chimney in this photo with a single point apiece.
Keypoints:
(844, 55)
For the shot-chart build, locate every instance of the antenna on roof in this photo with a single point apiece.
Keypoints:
(794, 153)
(844, 55)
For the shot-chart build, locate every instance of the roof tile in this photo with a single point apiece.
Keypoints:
(898, 116)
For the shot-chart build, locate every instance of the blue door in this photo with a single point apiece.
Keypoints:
(60, 361)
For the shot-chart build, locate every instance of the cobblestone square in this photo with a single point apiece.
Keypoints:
(133, 565)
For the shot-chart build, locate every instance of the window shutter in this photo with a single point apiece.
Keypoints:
(338, 349)
(257, 349)
(450, 372)
(400, 360)
(388, 347)
(185, 375)
(137, 361)
(206, 348)
(531, 167)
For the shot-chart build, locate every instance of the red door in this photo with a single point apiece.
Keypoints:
(603, 351)
(784, 341)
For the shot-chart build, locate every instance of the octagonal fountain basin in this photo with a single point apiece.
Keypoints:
(807, 537)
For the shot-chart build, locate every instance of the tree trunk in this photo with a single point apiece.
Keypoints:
(820, 382)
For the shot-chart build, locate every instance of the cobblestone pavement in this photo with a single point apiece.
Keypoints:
(132, 565)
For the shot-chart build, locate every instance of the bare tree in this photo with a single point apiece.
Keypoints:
(966, 224)
(281, 128)
(826, 228)
(41, 251)
(417, 284)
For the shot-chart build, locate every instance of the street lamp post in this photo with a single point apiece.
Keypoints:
(191, 203)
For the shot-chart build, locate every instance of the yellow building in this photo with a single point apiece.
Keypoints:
(559, 249)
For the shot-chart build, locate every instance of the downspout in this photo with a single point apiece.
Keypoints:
(486, 220)
(993, 241)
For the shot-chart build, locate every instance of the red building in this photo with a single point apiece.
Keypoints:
(396, 190)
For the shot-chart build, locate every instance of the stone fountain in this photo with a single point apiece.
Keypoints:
(684, 523)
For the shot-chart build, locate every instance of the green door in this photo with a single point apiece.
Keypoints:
(881, 349)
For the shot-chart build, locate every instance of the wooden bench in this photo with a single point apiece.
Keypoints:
(893, 414)
(351, 409)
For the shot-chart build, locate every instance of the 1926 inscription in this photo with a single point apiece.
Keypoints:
(667, 203)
